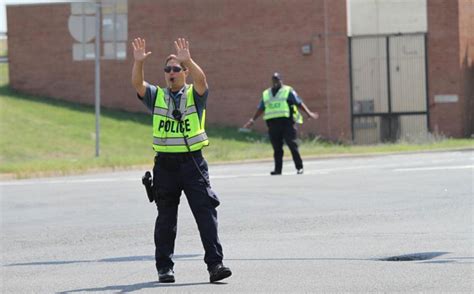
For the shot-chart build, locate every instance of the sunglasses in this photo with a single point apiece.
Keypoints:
(170, 68)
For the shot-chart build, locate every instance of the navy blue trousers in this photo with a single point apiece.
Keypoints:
(172, 174)
(279, 130)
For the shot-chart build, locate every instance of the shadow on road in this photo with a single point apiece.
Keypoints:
(134, 287)
(113, 259)
(422, 256)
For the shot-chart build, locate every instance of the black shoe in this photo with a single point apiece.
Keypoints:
(219, 272)
(275, 173)
(166, 275)
(299, 171)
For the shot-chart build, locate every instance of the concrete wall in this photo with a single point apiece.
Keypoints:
(375, 17)
(239, 44)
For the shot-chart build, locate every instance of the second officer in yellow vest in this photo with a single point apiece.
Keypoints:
(179, 114)
(279, 106)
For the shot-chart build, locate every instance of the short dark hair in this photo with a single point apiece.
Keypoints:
(174, 57)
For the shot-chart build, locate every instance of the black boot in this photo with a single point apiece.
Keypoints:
(219, 272)
(166, 275)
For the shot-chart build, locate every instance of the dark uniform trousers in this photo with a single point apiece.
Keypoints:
(279, 130)
(174, 173)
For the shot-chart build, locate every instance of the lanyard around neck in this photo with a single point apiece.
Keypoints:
(179, 94)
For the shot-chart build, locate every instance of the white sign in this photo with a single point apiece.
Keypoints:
(446, 98)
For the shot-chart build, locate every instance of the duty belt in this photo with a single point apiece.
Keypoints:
(179, 157)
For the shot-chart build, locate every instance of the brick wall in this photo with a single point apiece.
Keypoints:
(40, 54)
(466, 44)
(448, 37)
(239, 44)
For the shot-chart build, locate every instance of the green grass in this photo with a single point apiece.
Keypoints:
(3, 47)
(40, 136)
(4, 77)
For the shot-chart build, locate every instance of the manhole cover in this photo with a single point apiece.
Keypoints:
(414, 256)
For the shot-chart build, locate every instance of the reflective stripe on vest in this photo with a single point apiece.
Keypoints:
(297, 117)
(169, 133)
(276, 106)
(180, 141)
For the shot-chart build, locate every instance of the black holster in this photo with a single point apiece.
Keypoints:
(147, 181)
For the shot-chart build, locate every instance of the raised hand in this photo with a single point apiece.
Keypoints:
(139, 51)
(182, 50)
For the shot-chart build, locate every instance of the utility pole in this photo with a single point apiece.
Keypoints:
(97, 77)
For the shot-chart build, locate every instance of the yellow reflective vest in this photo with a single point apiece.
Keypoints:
(278, 107)
(171, 135)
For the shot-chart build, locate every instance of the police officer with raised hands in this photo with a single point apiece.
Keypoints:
(178, 137)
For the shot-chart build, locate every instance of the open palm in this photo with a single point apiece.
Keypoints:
(182, 50)
(139, 49)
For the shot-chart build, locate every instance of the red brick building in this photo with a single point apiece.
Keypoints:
(240, 44)
(451, 65)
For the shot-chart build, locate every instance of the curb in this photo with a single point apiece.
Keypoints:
(346, 155)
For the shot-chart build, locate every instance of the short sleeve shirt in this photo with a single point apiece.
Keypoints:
(150, 96)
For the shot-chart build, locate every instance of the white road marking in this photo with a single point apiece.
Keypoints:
(434, 168)
(66, 181)
(315, 171)
(109, 180)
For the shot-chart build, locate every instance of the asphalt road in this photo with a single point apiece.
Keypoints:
(384, 223)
